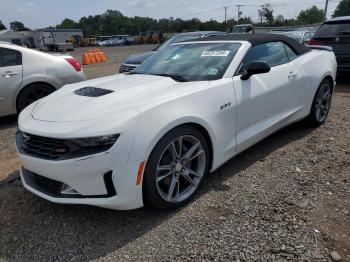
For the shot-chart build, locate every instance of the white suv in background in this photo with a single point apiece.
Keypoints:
(27, 75)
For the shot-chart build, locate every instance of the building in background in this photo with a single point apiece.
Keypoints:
(60, 36)
(43, 37)
(25, 38)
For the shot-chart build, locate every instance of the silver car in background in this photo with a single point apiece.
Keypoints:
(27, 75)
(301, 36)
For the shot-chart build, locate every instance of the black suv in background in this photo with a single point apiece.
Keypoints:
(336, 33)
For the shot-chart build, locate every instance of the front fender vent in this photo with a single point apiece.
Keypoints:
(90, 91)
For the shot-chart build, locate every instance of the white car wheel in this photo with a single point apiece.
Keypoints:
(176, 168)
(321, 104)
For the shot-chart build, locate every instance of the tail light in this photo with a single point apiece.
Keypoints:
(314, 42)
(73, 62)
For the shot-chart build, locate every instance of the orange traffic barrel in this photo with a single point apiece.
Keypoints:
(86, 60)
(98, 57)
(103, 56)
(93, 58)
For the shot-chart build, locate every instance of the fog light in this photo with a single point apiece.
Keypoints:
(68, 190)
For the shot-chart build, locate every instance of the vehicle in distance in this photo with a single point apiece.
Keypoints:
(151, 136)
(301, 36)
(336, 34)
(133, 61)
(27, 75)
(243, 29)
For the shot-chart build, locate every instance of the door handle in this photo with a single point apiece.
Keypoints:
(9, 74)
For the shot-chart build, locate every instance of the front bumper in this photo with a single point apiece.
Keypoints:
(104, 179)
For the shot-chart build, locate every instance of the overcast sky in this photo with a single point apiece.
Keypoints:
(43, 13)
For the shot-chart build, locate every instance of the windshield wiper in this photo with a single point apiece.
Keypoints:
(177, 78)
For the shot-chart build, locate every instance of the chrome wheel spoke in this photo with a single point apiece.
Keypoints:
(194, 173)
(164, 168)
(160, 178)
(318, 113)
(177, 190)
(180, 146)
(200, 152)
(326, 95)
(172, 188)
(188, 178)
(191, 151)
(173, 151)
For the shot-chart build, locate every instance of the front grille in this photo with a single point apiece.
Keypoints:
(53, 188)
(43, 184)
(43, 147)
(54, 149)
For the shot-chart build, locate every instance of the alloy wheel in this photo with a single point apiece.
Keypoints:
(323, 102)
(180, 169)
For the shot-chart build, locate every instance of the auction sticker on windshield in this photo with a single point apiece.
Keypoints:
(216, 53)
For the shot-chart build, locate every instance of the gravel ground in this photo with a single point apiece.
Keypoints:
(287, 198)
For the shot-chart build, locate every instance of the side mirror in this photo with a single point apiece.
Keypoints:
(255, 68)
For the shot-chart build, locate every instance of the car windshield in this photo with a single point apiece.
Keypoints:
(177, 39)
(191, 62)
(334, 29)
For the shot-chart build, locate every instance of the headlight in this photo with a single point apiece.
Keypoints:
(97, 141)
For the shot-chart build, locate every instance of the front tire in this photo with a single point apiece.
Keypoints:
(32, 93)
(321, 104)
(176, 168)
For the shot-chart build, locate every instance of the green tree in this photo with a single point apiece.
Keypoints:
(18, 26)
(2, 26)
(266, 13)
(311, 16)
(68, 24)
(343, 8)
(279, 21)
(245, 20)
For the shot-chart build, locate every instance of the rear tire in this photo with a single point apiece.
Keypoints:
(321, 104)
(32, 93)
(176, 168)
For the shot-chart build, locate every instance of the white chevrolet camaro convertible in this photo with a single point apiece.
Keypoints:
(150, 137)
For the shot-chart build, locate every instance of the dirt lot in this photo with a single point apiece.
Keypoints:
(115, 56)
(287, 198)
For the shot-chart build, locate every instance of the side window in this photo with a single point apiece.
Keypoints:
(10, 57)
(291, 54)
(272, 53)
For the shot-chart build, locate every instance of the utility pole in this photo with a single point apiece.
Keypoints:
(325, 11)
(238, 12)
(225, 14)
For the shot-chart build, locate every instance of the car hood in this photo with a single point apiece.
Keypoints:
(139, 58)
(98, 98)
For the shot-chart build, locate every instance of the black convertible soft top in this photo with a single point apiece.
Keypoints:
(256, 39)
